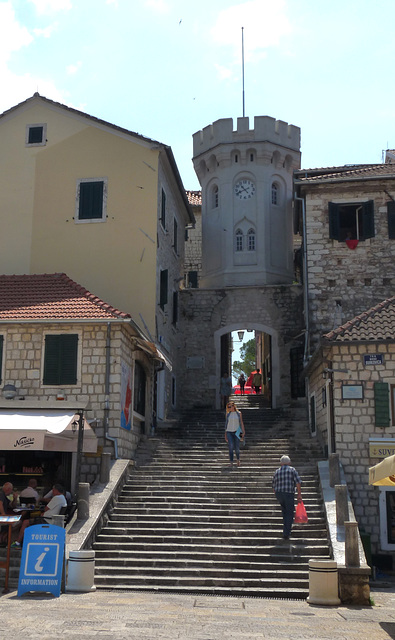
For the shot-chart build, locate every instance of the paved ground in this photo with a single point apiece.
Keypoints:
(149, 616)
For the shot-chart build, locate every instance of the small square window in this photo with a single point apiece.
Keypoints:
(35, 135)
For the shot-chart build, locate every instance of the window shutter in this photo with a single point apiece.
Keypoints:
(381, 404)
(1, 355)
(391, 219)
(163, 288)
(334, 225)
(60, 360)
(68, 356)
(91, 200)
(368, 220)
(175, 307)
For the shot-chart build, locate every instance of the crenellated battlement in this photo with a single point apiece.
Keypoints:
(266, 129)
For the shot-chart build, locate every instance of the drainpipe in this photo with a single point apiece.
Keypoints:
(107, 393)
(305, 284)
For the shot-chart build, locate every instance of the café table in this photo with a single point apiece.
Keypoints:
(5, 564)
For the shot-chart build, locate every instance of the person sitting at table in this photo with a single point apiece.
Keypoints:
(49, 495)
(6, 504)
(29, 491)
(53, 508)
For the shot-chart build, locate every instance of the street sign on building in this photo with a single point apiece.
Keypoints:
(42, 559)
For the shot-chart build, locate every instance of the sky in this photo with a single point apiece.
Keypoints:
(167, 68)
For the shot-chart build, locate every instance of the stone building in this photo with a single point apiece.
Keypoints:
(347, 218)
(246, 278)
(351, 389)
(63, 348)
(103, 204)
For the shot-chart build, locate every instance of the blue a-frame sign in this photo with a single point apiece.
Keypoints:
(42, 559)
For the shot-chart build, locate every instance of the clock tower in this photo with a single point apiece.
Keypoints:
(246, 180)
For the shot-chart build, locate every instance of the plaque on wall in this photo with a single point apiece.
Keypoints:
(352, 392)
(372, 359)
(195, 362)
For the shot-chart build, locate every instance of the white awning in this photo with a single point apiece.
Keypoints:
(43, 430)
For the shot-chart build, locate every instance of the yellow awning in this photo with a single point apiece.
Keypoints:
(383, 473)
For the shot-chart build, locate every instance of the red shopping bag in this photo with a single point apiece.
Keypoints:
(300, 513)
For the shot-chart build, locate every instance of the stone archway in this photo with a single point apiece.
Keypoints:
(255, 326)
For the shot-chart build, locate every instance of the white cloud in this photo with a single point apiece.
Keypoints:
(51, 6)
(265, 22)
(158, 5)
(46, 32)
(223, 72)
(73, 68)
(16, 88)
(13, 36)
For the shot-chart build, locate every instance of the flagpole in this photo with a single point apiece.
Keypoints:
(242, 64)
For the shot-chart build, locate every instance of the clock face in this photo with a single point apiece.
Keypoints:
(244, 189)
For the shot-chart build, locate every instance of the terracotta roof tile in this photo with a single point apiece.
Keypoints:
(376, 324)
(51, 296)
(347, 172)
(194, 198)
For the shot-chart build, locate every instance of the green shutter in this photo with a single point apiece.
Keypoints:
(1, 355)
(334, 225)
(367, 220)
(60, 360)
(391, 219)
(91, 200)
(381, 404)
(163, 296)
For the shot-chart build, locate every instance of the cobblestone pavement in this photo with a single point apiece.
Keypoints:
(149, 616)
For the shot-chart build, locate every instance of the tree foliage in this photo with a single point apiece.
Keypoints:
(247, 362)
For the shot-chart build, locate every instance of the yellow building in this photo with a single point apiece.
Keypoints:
(104, 205)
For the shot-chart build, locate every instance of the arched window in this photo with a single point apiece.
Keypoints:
(251, 240)
(275, 193)
(215, 197)
(239, 240)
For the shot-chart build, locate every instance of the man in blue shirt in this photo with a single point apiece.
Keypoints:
(285, 480)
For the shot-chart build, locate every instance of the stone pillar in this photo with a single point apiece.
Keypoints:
(351, 544)
(105, 467)
(83, 501)
(334, 469)
(341, 503)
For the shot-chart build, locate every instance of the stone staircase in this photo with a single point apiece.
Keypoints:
(185, 522)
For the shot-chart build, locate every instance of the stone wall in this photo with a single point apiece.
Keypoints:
(23, 351)
(345, 282)
(208, 313)
(354, 421)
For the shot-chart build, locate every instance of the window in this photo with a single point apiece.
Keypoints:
(312, 415)
(60, 359)
(1, 356)
(174, 319)
(239, 240)
(391, 219)
(163, 288)
(35, 135)
(251, 240)
(91, 200)
(173, 391)
(215, 198)
(393, 402)
(274, 193)
(139, 388)
(175, 236)
(193, 279)
(163, 210)
(351, 221)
